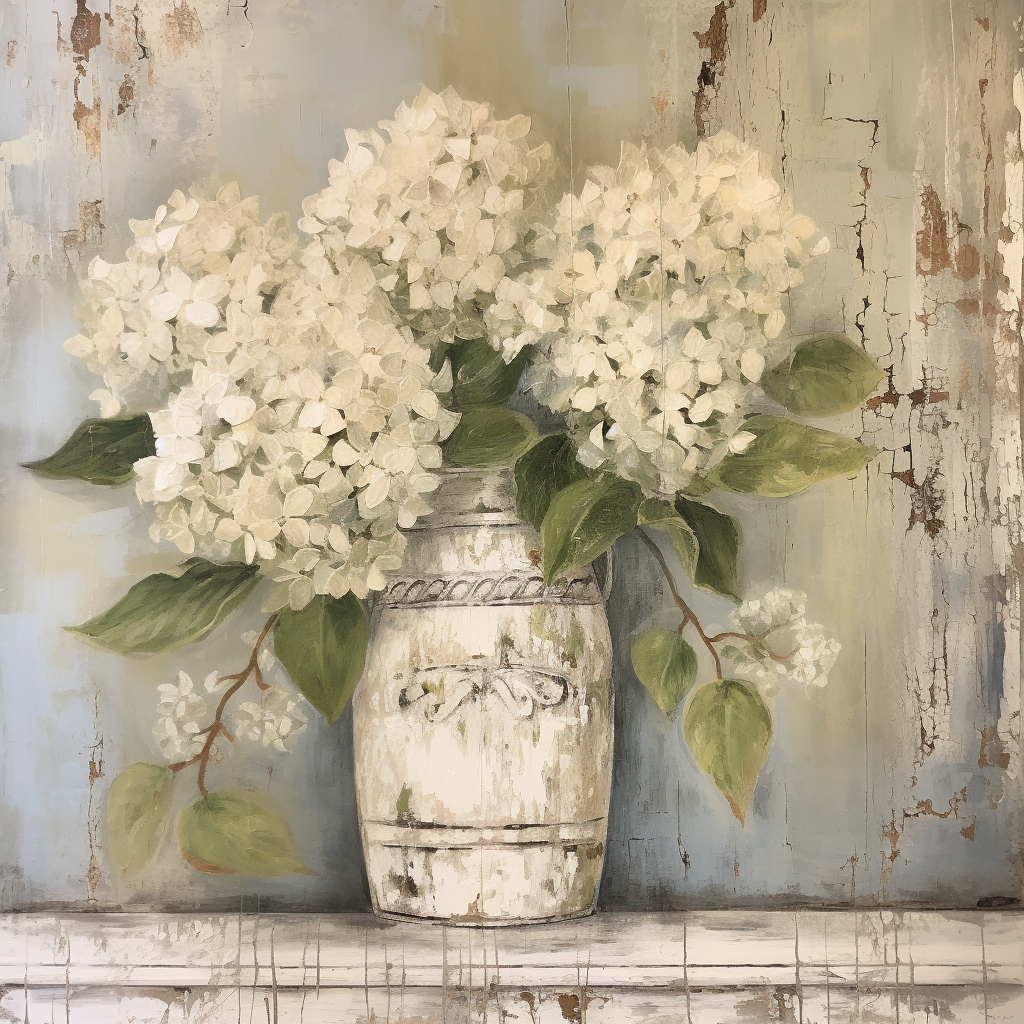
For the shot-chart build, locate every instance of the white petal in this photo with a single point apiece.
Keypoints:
(236, 409)
(202, 314)
(165, 306)
(344, 454)
(752, 364)
(377, 491)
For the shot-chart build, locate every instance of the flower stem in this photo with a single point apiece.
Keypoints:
(217, 727)
(689, 616)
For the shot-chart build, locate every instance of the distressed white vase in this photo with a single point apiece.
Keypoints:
(483, 722)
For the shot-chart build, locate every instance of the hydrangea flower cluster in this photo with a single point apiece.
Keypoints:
(298, 423)
(177, 730)
(443, 205)
(657, 307)
(787, 646)
(278, 720)
(198, 266)
(280, 716)
(309, 471)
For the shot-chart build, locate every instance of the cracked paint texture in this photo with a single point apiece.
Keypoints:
(895, 126)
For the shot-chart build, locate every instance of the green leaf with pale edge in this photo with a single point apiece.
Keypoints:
(584, 520)
(788, 457)
(232, 832)
(138, 808)
(171, 609)
(481, 376)
(548, 467)
(718, 547)
(666, 664)
(728, 729)
(323, 648)
(662, 516)
(490, 436)
(824, 376)
(100, 451)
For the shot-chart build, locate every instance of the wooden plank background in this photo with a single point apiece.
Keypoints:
(893, 124)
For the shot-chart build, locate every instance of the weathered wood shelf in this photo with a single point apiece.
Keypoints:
(806, 966)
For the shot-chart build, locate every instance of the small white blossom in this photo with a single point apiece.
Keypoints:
(180, 708)
(277, 720)
(784, 646)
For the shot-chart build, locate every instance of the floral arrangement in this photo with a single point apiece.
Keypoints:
(284, 403)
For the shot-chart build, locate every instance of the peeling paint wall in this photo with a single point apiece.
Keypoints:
(897, 128)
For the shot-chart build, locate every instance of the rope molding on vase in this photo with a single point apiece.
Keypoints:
(508, 588)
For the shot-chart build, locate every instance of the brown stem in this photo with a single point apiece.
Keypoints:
(719, 637)
(756, 640)
(689, 617)
(217, 727)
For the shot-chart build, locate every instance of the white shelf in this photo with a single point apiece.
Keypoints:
(718, 966)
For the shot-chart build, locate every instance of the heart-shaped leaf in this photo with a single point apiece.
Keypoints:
(824, 376)
(171, 609)
(548, 467)
(138, 807)
(100, 451)
(232, 832)
(323, 649)
(489, 436)
(481, 376)
(788, 457)
(584, 520)
(728, 729)
(666, 664)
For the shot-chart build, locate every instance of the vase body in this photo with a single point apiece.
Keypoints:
(483, 722)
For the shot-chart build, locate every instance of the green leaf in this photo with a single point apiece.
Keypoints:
(728, 729)
(584, 520)
(662, 516)
(697, 487)
(323, 648)
(481, 376)
(100, 451)
(666, 664)
(824, 376)
(718, 547)
(549, 466)
(231, 832)
(138, 806)
(171, 609)
(788, 457)
(489, 436)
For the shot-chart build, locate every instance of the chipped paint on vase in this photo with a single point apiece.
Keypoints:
(483, 723)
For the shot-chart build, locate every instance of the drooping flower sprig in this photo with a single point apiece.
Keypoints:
(285, 403)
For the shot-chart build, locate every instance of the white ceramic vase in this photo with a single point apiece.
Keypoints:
(483, 722)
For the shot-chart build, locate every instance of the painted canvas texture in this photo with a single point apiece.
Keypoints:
(700, 320)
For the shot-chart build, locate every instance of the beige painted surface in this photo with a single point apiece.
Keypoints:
(894, 126)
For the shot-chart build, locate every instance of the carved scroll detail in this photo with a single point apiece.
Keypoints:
(439, 691)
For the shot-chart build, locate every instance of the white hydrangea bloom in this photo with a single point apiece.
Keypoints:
(195, 266)
(180, 709)
(278, 720)
(304, 439)
(443, 205)
(786, 646)
(657, 307)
